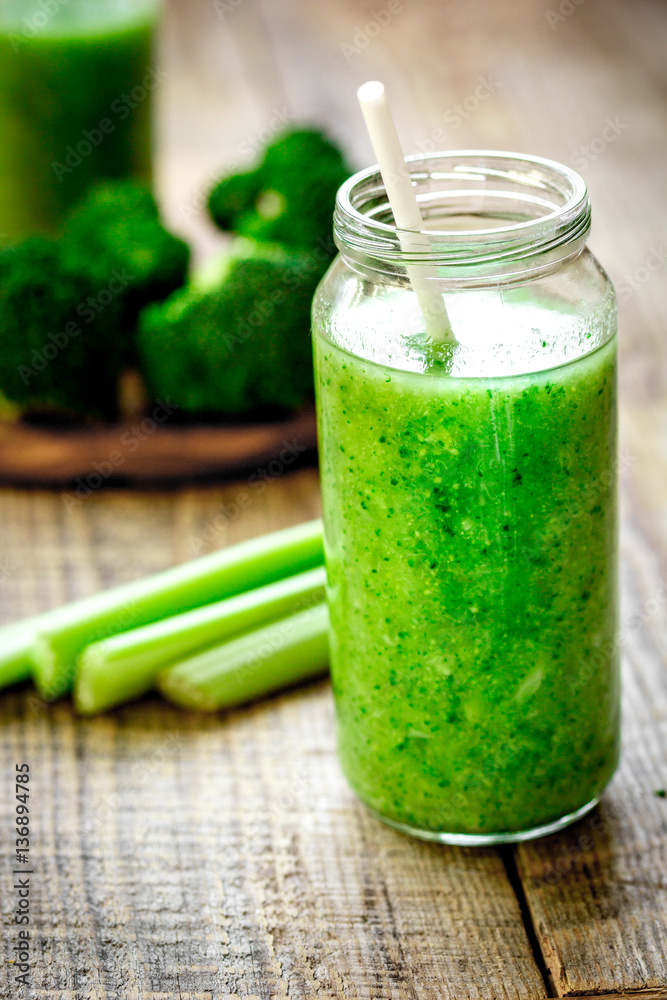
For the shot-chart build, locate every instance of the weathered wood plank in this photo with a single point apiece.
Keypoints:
(585, 946)
(176, 853)
(218, 858)
(598, 891)
(640, 994)
(224, 856)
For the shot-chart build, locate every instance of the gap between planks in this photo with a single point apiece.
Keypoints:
(508, 857)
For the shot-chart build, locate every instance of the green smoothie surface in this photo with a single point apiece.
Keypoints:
(470, 528)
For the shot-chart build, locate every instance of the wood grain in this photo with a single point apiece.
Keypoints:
(226, 857)
(223, 858)
(148, 450)
(598, 891)
(277, 883)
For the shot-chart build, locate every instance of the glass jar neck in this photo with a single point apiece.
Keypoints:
(487, 215)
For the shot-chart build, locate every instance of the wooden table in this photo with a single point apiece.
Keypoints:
(219, 858)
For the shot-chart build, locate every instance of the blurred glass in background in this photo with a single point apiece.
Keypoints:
(76, 85)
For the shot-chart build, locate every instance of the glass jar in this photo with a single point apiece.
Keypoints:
(76, 84)
(469, 495)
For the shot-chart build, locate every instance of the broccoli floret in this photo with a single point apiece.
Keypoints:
(118, 223)
(69, 307)
(59, 321)
(289, 198)
(238, 339)
(233, 198)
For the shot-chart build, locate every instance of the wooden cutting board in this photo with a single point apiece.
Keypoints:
(151, 450)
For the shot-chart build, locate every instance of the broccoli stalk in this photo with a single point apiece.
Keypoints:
(289, 197)
(237, 339)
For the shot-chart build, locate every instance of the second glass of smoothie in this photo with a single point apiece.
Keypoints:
(77, 79)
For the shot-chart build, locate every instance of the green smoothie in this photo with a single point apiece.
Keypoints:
(470, 528)
(76, 83)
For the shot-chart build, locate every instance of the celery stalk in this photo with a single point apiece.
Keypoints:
(252, 665)
(211, 578)
(15, 644)
(125, 666)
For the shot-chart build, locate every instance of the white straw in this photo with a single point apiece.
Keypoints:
(404, 206)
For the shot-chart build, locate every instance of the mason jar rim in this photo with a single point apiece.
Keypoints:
(542, 208)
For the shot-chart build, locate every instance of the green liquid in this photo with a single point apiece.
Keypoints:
(75, 106)
(470, 532)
